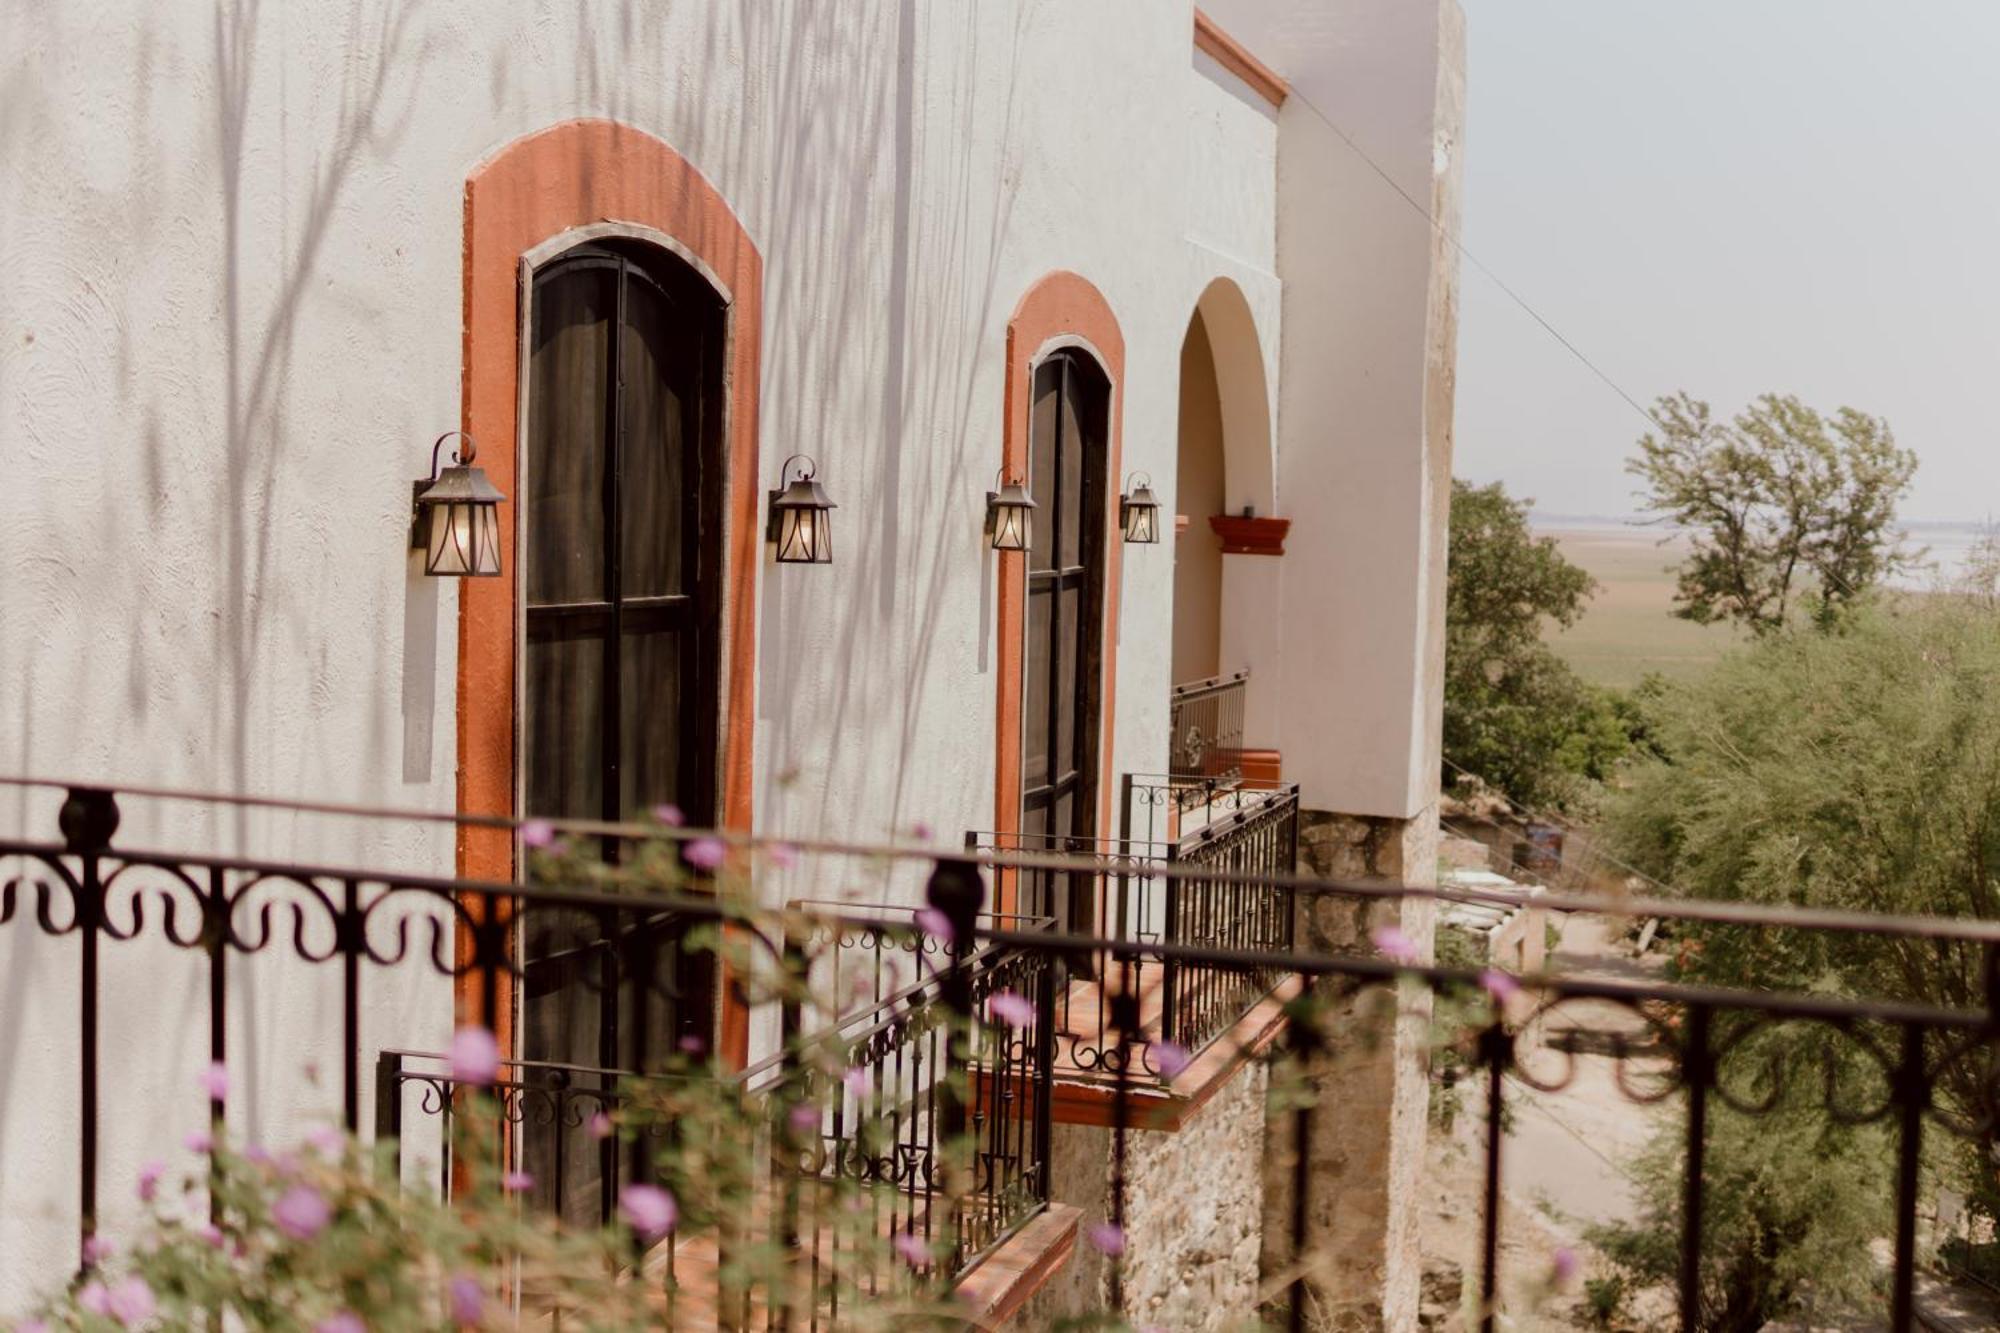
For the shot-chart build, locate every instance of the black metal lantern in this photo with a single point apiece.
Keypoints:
(457, 523)
(1010, 517)
(1138, 511)
(799, 523)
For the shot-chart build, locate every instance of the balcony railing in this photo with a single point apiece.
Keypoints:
(1694, 1053)
(1205, 737)
(1218, 895)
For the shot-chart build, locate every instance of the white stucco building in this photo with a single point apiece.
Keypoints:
(254, 259)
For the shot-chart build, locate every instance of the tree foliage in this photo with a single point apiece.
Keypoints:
(1858, 771)
(1790, 511)
(1514, 712)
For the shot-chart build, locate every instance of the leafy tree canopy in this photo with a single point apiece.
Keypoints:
(1789, 510)
(1514, 713)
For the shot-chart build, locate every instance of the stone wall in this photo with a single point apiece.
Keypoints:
(1370, 1083)
(1194, 1205)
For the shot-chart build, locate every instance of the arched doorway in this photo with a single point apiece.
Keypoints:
(1199, 491)
(621, 559)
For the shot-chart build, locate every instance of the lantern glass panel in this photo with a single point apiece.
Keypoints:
(1142, 523)
(803, 536)
(1013, 527)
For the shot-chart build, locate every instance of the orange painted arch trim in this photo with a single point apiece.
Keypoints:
(1232, 55)
(532, 191)
(1061, 309)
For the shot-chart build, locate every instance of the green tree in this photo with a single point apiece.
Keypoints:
(1789, 510)
(1856, 771)
(1792, 1200)
(1514, 712)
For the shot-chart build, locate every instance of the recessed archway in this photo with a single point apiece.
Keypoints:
(1224, 466)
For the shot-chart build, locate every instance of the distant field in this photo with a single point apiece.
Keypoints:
(1629, 628)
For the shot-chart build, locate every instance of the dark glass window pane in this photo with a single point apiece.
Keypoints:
(1073, 513)
(565, 750)
(1035, 707)
(561, 1022)
(569, 386)
(1042, 462)
(1064, 686)
(659, 376)
(649, 716)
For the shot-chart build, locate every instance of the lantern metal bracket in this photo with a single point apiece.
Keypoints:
(419, 537)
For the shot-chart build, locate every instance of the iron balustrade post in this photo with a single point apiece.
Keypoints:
(348, 936)
(1495, 1050)
(1170, 967)
(88, 819)
(1912, 1087)
(1125, 1021)
(1698, 1070)
(215, 931)
(389, 1106)
(1044, 1086)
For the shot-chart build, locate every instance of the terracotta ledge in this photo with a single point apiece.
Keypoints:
(1226, 51)
(996, 1290)
(1094, 1101)
(1250, 536)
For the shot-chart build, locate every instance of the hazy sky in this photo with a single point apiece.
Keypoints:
(1731, 196)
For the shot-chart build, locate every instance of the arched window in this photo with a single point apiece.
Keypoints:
(1064, 659)
(622, 566)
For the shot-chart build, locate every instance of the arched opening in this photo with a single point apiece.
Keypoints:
(1063, 683)
(1199, 491)
(622, 484)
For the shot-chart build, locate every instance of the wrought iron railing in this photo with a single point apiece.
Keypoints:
(1916, 1071)
(1206, 727)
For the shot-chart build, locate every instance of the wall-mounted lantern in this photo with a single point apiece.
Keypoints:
(1138, 511)
(457, 523)
(1010, 516)
(799, 523)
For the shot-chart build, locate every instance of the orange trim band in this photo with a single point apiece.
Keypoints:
(1232, 55)
(1060, 304)
(534, 189)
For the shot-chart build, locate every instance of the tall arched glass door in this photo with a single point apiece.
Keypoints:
(622, 521)
(1064, 657)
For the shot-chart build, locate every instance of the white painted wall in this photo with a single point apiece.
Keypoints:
(1364, 397)
(230, 300)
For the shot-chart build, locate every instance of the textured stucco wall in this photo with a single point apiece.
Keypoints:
(230, 306)
(1364, 400)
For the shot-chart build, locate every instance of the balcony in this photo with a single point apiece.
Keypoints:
(940, 1116)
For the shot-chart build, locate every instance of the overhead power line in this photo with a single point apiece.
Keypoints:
(1423, 211)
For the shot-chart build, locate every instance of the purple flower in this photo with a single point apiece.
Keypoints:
(1016, 1011)
(857, 1081)
(705, 853)
(804, 1119)
(538, 833)
(783, 855)
(915, 1251)
(1394, 945)
(326, 1141)
(1563, 1265)
(301, 1212)
(149, 1179)
(96, 1250)
(32, 1326)
(468, 1300)
(214, 1080)
(669, 814)
(600, 1126)
(258, 1155)
(517, 1182)
(692, 1045)
(934, 923)
(211, 1233)
(922, 831)
(344, 1322)
(131, 1301)
(95, 1298)
(649, 1210)
(1106, 1238)
(475, 1056)
(200, 1141)
(1170, 1058)
(1500, 985)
